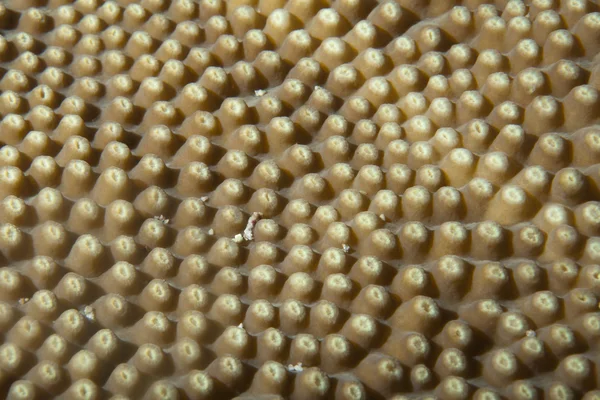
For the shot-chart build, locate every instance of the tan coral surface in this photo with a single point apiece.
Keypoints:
(299, 199)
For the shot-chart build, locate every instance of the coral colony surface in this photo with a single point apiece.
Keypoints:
(299, 199)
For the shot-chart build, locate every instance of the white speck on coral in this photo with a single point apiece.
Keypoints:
(295, 367)
(23, 300)
(238, 238)
(249, 230)
(162, 219)
(382, 217)
(346, 248)
(89, 313)
(260, 92)
(204, 199)
(530, 333)
(211, 231)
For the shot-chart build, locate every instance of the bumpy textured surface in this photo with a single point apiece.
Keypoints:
(303, 199)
